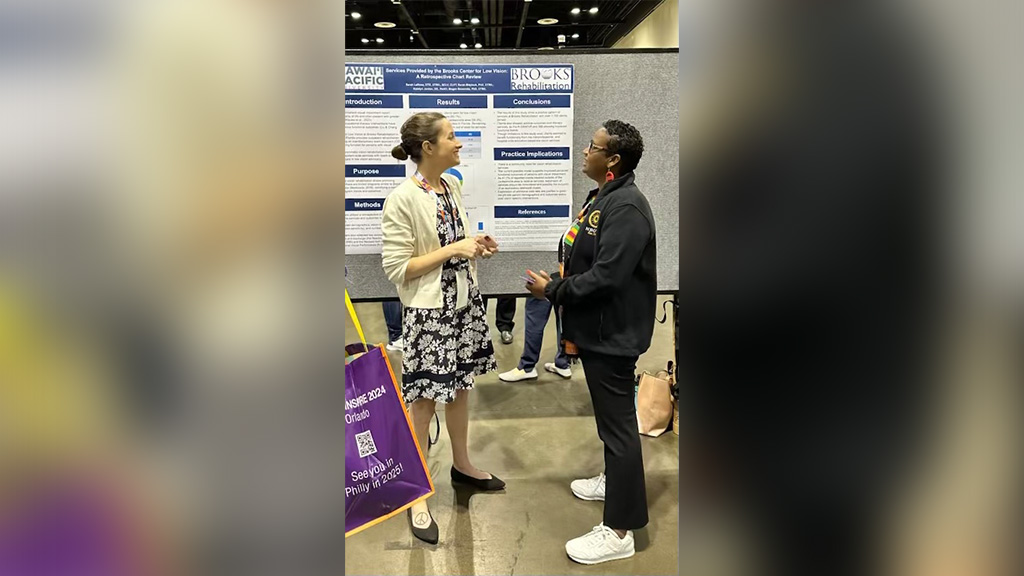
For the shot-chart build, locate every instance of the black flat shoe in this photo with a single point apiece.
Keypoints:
(491, 484)
(428, 534)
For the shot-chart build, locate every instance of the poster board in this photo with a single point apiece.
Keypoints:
(636, 86)
(514, 123)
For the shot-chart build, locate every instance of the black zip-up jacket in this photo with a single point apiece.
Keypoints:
(609, 293)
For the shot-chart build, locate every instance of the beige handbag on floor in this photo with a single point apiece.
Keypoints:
(654, 403)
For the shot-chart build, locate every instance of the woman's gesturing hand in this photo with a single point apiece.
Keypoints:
(488, 245)
(467, 248)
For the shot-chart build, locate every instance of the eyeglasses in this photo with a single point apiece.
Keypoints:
(591, 148)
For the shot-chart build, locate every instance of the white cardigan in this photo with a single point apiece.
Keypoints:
(409, 229)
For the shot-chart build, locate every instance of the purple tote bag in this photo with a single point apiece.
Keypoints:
(385, 472)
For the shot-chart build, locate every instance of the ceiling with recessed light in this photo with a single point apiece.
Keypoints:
(491, 24)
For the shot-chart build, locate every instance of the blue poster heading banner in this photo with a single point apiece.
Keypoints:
(374, 102)
(447, 101)
(531, 211)
(364, 205)
(532, 101)
(375, 170)
(543, 153)
(459, 78)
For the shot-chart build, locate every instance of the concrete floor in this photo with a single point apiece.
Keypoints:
(538, 436)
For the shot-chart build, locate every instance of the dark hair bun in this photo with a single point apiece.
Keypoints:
(399, 152)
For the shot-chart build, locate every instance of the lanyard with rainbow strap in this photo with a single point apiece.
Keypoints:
(570, 235)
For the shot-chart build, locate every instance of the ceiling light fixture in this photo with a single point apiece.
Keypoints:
(463, 45)
(356, 15)
(366, 41)
(380, 40)
(547, 21)
(593, 10)
(385, 24)
(478, 45)
(545, 48)
(575, 36)
(457, 21)
(561, 38)
(474, 20)
(575, 11)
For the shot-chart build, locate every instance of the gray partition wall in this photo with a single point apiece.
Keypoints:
(638, 87)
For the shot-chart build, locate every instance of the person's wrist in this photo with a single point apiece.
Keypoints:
(547, 285)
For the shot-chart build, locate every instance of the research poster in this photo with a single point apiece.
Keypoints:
(515, 125)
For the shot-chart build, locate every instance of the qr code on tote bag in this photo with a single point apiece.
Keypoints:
(364, 440)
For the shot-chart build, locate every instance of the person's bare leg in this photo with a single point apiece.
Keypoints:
(422, 412)
(456, 417)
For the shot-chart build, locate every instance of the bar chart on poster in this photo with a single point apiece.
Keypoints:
(515, 126)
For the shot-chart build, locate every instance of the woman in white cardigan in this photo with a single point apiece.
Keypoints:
(430, 257)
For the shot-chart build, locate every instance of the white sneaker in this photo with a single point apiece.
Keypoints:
(589, 488)
(600, 545)
(515, 375)
(563, 372)
(397, 345)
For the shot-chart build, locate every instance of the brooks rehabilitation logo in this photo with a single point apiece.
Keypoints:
(364, 77)
(549, 78)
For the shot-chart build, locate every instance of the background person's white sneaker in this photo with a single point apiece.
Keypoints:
(515, 375)
(589, 488)
(397, 345)
(563, 372)
(600, 545)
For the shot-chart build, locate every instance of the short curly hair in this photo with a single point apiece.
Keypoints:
(624, 140)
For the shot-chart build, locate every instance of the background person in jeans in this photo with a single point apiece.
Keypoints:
(393, 319)
(537, 313)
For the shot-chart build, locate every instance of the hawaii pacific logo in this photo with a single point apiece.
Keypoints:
(364, 77)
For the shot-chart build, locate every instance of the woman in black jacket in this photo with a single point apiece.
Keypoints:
(607, 296)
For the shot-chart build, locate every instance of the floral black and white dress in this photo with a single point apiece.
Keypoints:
(446, 348)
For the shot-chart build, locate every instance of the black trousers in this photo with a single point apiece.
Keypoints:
(611, 380)
(504, 312)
